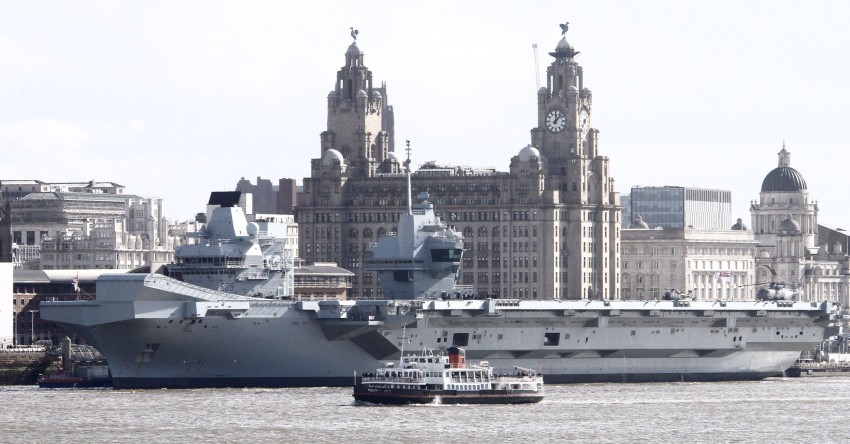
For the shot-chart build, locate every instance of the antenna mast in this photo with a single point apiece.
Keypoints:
(536, 67)
(409, 190)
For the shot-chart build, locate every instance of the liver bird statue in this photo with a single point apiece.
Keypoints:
(354, 33)
(564, 28)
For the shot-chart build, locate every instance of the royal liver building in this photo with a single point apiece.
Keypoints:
(548, 228)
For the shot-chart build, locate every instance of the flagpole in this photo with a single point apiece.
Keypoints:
(76, 283)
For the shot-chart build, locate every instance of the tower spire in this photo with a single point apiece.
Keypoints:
(784, 156)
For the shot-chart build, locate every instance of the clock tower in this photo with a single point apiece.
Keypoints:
(586, 209)
(359, 119)
(564, 134)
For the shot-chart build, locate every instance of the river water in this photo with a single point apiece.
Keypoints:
(814, 410)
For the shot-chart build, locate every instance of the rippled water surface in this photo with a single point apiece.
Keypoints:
(812, 410)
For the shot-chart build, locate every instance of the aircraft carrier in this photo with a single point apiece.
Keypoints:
(160, 332)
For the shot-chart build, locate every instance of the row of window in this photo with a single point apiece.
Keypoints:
(731, 293)
(18, 237)
(696, 279)
(693, 265)
(691, 251)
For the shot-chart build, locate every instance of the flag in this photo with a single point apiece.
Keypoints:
(76, 284)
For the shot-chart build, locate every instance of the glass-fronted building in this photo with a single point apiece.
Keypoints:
(681, 207)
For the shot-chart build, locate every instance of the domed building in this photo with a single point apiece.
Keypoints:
(785, 223)
(739, 225)
(639, 223)
(784, 193)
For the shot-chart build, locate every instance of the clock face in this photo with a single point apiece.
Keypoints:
(584, 119)
(556, 121)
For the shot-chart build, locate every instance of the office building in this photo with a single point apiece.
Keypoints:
(680, 207)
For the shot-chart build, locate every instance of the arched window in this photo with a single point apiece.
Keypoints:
(354, 234)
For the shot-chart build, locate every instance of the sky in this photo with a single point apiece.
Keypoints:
(174, 99)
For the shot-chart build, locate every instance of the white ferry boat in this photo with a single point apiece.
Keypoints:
(447, 379)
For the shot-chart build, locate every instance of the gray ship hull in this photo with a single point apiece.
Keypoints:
(158, 332)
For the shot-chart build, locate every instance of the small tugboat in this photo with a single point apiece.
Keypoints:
(88, 370)
(62, 379)
(447, 379)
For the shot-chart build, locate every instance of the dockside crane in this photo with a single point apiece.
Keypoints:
(536, 67)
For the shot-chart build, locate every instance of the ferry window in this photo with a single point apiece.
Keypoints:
(460, 339)
(552, 339)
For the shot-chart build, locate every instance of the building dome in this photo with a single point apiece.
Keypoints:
(563, 45)
(376, 95)
(392, 155)
(783, 178)
(739, 225)
(638, 223)
(789, 224)
(330, 156)
(353, 50)
(361, 93)
(528, 154)
(564, 50)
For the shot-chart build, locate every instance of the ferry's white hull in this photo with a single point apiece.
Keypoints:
(158, 333)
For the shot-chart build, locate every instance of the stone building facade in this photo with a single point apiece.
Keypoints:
(791, 250)
(702, 264)
(548, 228)
(88, 225)
(264, 194)
(322, 282)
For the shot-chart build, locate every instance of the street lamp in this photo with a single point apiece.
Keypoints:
(32, 326)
